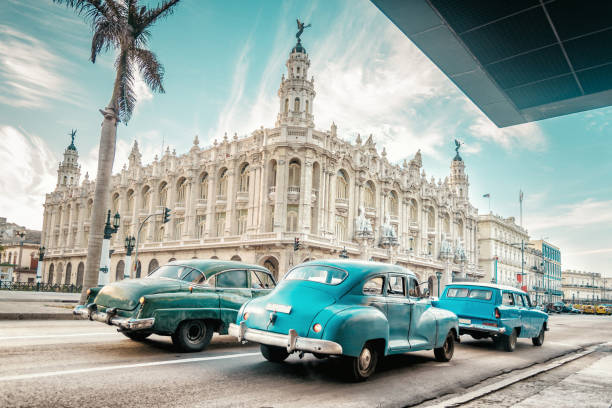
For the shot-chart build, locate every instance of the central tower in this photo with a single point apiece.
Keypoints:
(296, 92)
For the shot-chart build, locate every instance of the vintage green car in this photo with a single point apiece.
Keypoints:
(187, 300)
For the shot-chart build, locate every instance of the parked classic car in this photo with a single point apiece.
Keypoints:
(500, 312)
(601, 309)
(588, 309)
(361, 311)
(187, 300)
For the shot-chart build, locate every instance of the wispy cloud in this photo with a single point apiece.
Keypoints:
(25, 182)
(577, 215)
(31, 74)
(527, 136)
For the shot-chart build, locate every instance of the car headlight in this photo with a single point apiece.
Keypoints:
(317, 328)
(141, 300)
(88, 292)
(245, 316)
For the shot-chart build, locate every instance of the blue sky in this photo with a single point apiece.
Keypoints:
(223, 62)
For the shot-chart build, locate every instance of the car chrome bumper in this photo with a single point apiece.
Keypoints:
(290, 341)
(124, 323)
(466, 328)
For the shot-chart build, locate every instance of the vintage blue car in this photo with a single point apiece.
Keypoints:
(361, 311)
(502, 313)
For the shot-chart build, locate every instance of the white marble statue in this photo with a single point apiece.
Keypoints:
(363, 227)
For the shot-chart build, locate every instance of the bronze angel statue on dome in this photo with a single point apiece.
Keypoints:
(301, 28)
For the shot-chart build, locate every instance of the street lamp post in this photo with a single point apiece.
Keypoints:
(130, 242)
(344, 253)
(438, 277)
(109, 230)
(166, 214)
(41, 257)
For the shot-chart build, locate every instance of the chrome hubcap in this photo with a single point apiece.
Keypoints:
(194, 333)
(365, 359)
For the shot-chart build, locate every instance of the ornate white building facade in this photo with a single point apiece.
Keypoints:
(249, 198)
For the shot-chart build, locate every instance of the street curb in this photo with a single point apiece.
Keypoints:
(37, 316)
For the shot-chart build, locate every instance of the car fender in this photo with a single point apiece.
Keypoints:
(445, 322)
(352, 327)
(170, 309)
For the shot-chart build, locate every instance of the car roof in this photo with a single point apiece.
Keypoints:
(358, 269)
(488, 285)
(211, 266)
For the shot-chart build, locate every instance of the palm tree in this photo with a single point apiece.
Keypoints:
(120, 25)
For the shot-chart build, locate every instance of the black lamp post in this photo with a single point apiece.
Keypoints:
(438, 277)
(41, 253)
(130, 243)
(108, 229)
(344, 253)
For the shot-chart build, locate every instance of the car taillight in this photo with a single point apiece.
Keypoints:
(245, 316)
(317, 328)
(497, 314)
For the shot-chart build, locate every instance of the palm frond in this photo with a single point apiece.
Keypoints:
(118, 8)
(106, 35)
(151, 70)
(92, 10)
(126, 97)
(163, 10)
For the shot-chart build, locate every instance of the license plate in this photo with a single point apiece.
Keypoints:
(465, 321)
(273, 307)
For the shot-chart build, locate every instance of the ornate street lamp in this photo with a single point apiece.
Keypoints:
(344, 253)
(130, 243)
(109, 230)
(41, 257)
(438, 277)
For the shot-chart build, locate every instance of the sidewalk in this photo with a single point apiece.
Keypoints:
(27, 305)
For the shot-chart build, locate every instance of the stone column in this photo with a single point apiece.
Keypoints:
(332, 197)
(230, 197)
(305, 197)
(280, 202)
(253, 197)
(210, 202)
(189, 228)
(170, 203)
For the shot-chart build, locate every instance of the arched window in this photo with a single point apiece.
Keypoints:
(413, 210)
(80, 272)
(271, 264)
(119, 270)
(220, 223)
(244, 178)
(294, 173)
(242, 221)
(153, 265)
(306, 106)
(160, 234)
(201, 222)
(163, 194)
(296, 105)
(272, 174)
(342, 185)
(460, 228)
(446, 225)
(145, 198)
(286, 106)
(178, 228)
(222, 185)
(130, 201)
(292, 218)
(181, 192)
(50, 276)
(68, 277)
(431, 218)
(115, 204)
(89, 208)
(204, 186)
(236, 258)
(393, 205)
(369, 197)
(65, 178)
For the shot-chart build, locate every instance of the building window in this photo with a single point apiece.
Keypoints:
(242, 221)
(296, 106)
(292, 218)
(201, 223)
(341, 230)
(163, 194)
(307, 106)
(146, 198)
(130, 201)
(220, 221)
(244, 179)
(286, 106)
(182, 193)
(294, 173)
(178, 228)
(222, 185)
(370, 199)
(160, 234)
(342, 185)
(204, 187)
(393, 205)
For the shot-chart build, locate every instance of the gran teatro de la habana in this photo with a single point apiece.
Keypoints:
(249, 199)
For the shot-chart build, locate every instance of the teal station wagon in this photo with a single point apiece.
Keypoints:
(187, 300)
(502, 313)
(361, 311)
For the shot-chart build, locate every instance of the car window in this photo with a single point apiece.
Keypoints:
(232, 279)
(169, 271)
(396, 286)
(374, 286)
(194, 276)
(482, 294)
(413, 288)
(457, 292)
(317, 273)
(508, 299)
(520, 300)
(261, 280)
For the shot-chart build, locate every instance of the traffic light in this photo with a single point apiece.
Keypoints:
(296, 244)
(166, 215)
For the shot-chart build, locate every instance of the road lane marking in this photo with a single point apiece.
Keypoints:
(50, 336)
(119, 367)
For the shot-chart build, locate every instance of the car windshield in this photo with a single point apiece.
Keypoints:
(481, 294)
(178, 272)
(317, 273)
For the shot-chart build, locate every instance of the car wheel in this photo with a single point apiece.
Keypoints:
(136, 336)
(273, 353)
(509, 342)
(445, 353)
(362, 367)
(538, 341)
(192, 335)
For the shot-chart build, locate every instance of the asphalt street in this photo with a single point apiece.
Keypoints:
(88, 364)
